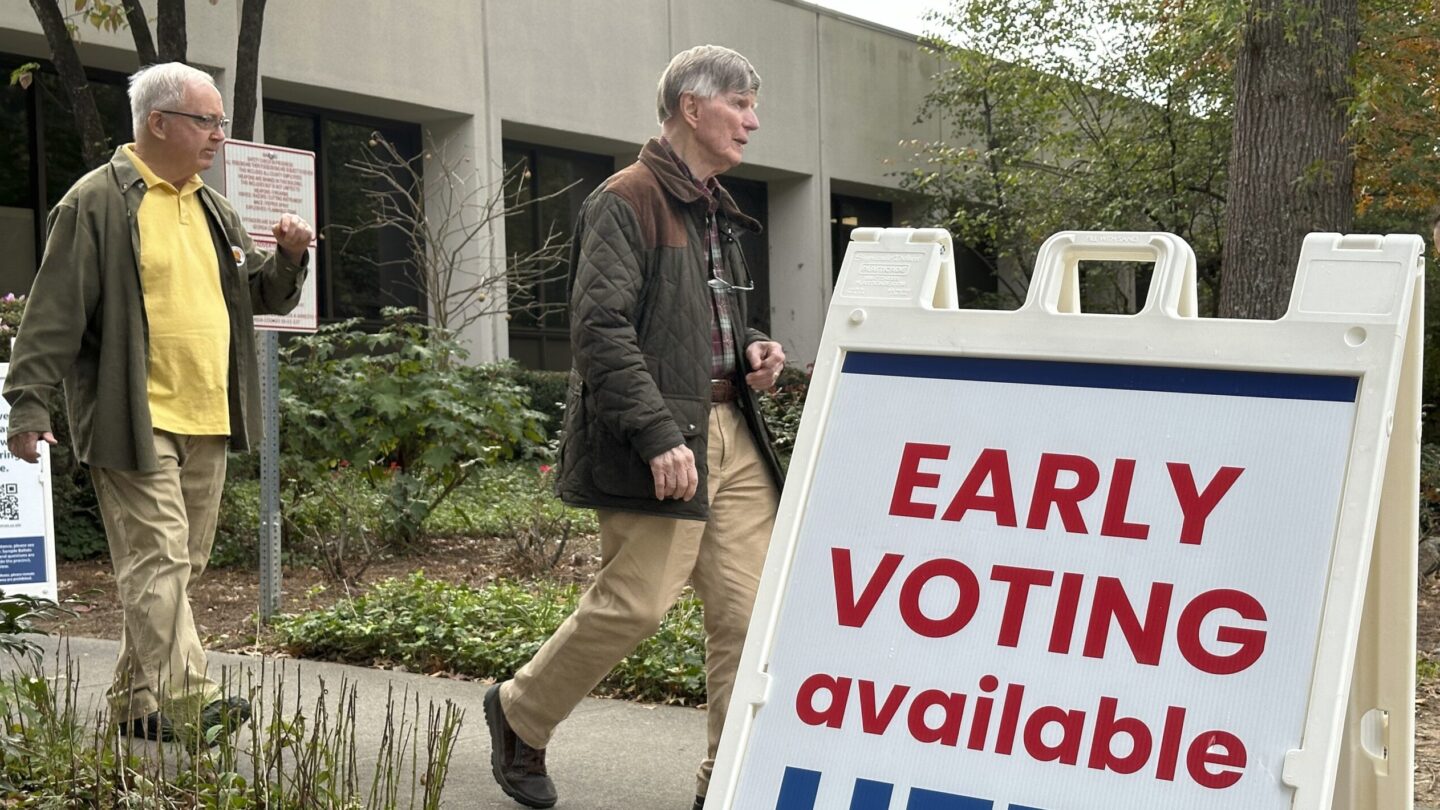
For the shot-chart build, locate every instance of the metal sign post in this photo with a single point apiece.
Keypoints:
(264, 182)
(269, 364)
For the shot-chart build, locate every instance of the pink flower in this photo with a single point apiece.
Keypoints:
(545, 469)
(9, 297)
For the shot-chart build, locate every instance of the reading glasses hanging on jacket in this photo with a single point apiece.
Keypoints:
(720, 285)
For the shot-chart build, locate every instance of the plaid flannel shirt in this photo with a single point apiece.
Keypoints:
(722, 321)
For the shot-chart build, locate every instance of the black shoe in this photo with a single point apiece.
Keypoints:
(699, 803)
(226, 715)
(518, 768)
(152, 726)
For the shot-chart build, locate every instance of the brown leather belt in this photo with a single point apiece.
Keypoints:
(723, 391)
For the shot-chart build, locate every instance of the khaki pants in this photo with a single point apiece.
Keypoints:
(645, 560)
(160, 526)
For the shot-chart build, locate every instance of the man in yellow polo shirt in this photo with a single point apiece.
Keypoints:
(142, 309)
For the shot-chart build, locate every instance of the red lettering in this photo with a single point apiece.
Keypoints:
(1064, 628)
(1048, 491)
(1009, 719)
(965, 604)
(1145, 640)
(852, 612)
(1170, 744)
(833, 715)
(980, 722)
(1107, 727)
(993, 466)
(1072, 726)
(1017, 597)
(874, 721)
(948, 732)
(1230, 758)
(1197, 506)
(1251, 641)
(1116, 503)
(909, 478)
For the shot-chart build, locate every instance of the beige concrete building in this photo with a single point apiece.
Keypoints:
(566, 85)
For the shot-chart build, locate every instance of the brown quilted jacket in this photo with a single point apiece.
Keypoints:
(640, 338)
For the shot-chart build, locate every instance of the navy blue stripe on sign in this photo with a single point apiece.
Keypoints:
(797, 789)
(871, 795)
(921, 799)
(1221, 382)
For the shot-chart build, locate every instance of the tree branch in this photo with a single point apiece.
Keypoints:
(140, 32)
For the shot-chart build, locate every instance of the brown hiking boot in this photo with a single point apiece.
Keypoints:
(518, 768)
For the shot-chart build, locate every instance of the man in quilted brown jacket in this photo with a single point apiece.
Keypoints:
(662, 432)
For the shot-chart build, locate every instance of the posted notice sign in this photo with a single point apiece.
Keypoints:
(27, 534)
(1099, 571)
(263, 183)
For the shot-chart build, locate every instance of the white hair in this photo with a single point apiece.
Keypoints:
(161, 87)
(707, 71)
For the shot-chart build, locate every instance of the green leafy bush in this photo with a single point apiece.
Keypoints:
(1429, 490)
(781, 408)
(400, 408)
(547, 393)
(432, 626)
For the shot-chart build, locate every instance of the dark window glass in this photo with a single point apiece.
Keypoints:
(14, 148)
(359, 273)
(539, 317)
(64, 160)
(40, 157)
(753, 198)
(847, 214)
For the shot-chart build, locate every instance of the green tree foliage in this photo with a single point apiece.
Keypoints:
(1081, 114)
(1117, 114)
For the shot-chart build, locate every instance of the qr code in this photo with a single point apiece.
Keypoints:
(9, 502)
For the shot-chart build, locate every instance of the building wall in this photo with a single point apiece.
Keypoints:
(837, 98)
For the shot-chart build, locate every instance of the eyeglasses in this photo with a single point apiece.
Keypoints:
(210, 123)
(720, 285)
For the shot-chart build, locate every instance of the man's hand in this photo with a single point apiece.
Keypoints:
(24, 446)
(675, 475)
(766, 360)
(292, 236)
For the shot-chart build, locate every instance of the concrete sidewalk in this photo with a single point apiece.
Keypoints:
(610, 754)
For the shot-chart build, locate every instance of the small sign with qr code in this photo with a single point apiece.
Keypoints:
(27, 532)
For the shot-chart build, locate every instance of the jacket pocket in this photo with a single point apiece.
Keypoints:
(617, 469)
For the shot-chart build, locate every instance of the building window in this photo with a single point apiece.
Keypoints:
(40, 158)
(848, 213)
(358, 274)
(752, 197)
(539, 316)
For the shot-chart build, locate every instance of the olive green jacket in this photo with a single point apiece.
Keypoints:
(640, 315)
(85, 325)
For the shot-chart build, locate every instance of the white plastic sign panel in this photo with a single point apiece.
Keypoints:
(27, 533)
(263, 183)
(1044, 560)
(989, 612)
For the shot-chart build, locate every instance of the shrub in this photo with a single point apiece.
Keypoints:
(401, 409)
(781, 408)
(1429, 490)
(547, 393)
(432, 626)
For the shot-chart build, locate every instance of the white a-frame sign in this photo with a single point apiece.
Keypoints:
(1051, 560)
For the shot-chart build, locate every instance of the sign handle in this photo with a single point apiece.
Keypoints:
(1055, 287)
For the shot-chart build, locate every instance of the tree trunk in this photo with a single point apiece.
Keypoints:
(170, 28)
(1291, 167)
(94, 145)
(247, 69)
(140, 31)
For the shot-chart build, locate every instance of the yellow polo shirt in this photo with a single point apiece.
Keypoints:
(185, 307)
